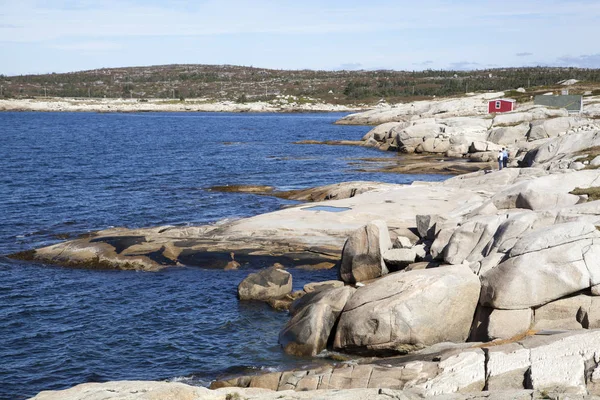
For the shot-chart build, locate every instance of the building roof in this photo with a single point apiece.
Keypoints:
(509, 100)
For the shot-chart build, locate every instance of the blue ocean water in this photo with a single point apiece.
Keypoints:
(64, 174)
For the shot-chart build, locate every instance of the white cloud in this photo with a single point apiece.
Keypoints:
(582, 61)
(89, 46)
(464, 65)
(350, 67)
(391, 34)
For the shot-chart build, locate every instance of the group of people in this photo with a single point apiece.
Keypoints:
(502, 158)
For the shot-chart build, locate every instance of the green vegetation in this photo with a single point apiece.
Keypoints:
(593, 193)
(241, 84)
(588, 155)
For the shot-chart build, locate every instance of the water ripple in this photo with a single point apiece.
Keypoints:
(68, 174)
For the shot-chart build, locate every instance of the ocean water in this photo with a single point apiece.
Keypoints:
(65, 174)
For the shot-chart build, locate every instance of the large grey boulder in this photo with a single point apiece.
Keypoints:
(480, 146)
(362, 255)
(470, 241)
(399, 258)
(574, 312)
(544, 265)
(314, 315)
(509, 134)
(270, 283)
(419, 307)
(429, 225)
(410, 138)
(562, 147)
(318, 286)
(567, 313)
(442, 239)
(466, 129)
(533, 199)
(549, 128)
(383, 131)
(491, 324)
(433, 145)
(545, 192)
(512, 118)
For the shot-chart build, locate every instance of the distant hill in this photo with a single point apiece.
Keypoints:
(238, 83)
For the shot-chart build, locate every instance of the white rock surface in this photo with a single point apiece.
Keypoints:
(447, 108)
(492, 324)
(399, 258)
(402, 242)
(509, 135)
(544, 265)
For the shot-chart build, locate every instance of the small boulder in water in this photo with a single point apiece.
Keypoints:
(270, 283)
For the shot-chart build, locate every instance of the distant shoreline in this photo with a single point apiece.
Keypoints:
(59, 104)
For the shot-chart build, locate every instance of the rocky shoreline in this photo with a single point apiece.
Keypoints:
(103, 105)
(484, 286)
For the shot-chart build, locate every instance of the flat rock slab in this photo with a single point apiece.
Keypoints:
(557, 363)
(290, 236)
(147, 390)
(294, 236)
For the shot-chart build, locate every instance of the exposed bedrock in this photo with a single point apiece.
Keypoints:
(468, 131)
(492, 271)
(565, 363)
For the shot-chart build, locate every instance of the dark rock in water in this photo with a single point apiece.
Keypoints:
(267, 284)
(338, 191)
(232, 265)
(120, 243)
(255, 189)
(284, 303)
(318, 286)
(316, 267)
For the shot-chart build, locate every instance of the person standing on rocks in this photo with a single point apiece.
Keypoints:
(504, 157)
(500, 159)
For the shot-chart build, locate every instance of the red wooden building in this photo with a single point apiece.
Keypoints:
(501, 105)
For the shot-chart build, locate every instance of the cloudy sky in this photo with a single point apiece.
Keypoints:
(41, 36)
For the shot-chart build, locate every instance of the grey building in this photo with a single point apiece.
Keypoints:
(573, 103)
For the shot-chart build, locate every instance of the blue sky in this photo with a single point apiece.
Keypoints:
(68, 35)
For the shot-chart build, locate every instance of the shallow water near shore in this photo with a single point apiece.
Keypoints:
(66, 174)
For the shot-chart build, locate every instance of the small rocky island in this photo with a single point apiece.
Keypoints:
(484, 286)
